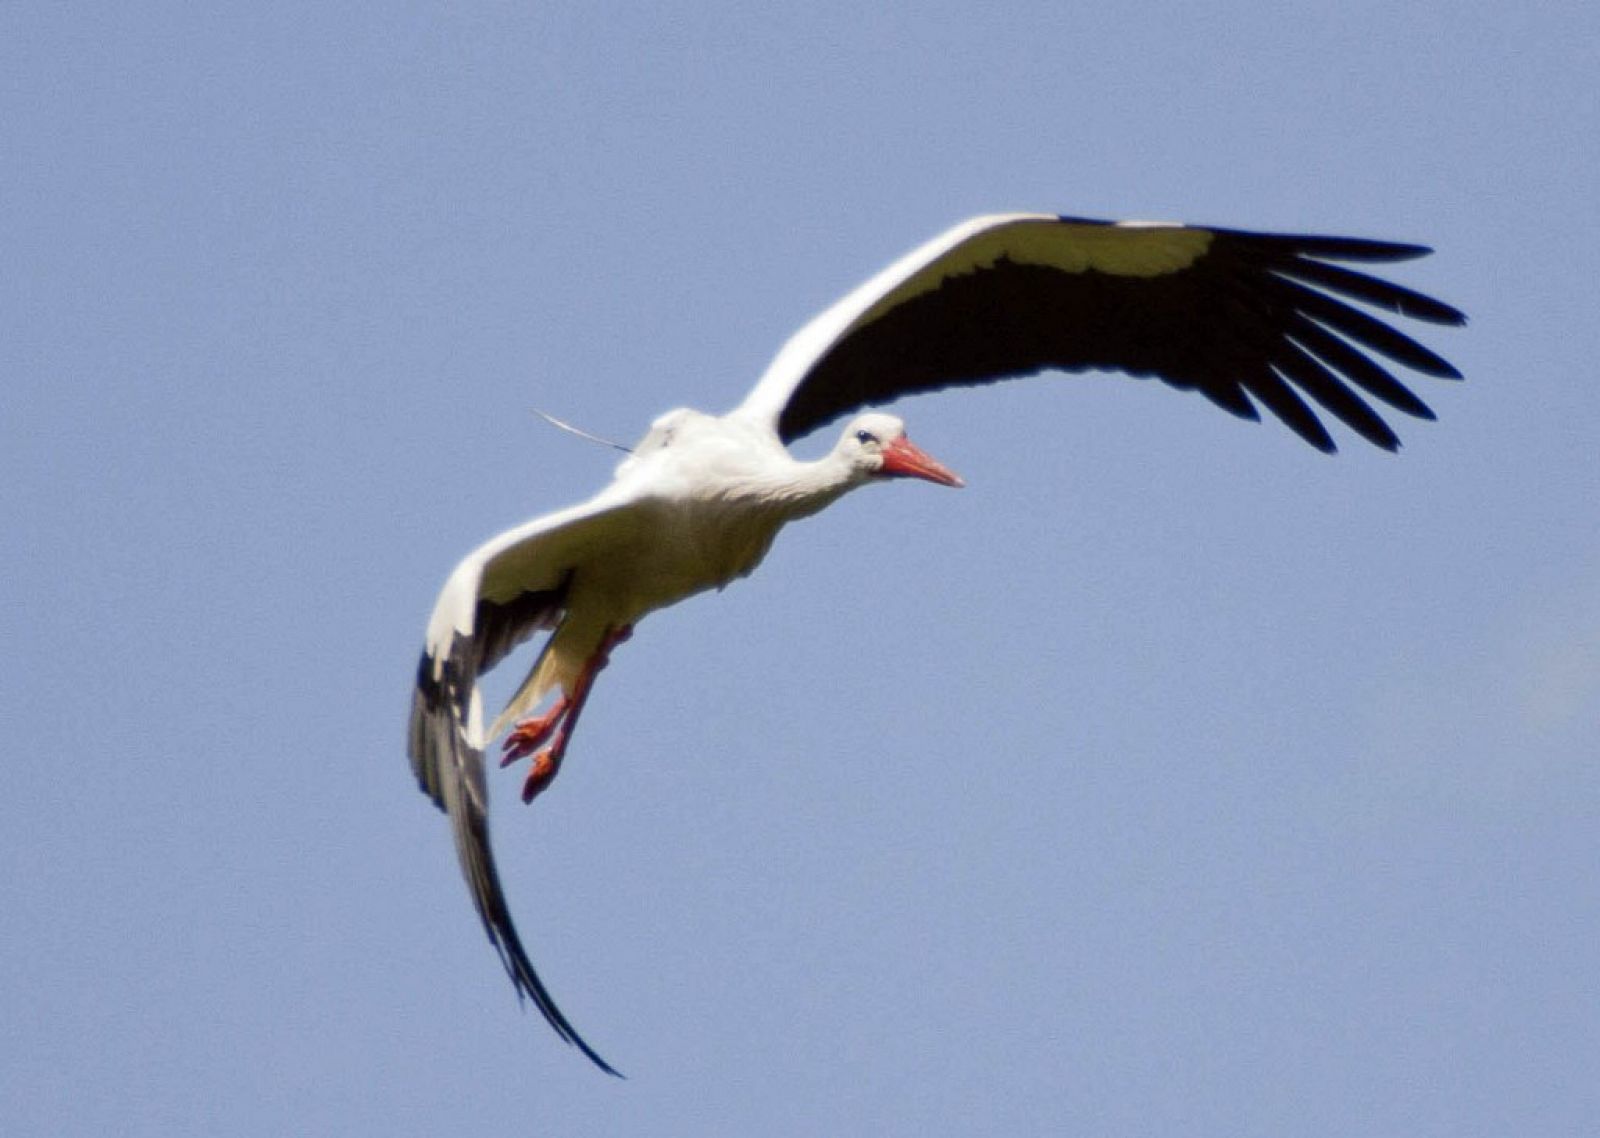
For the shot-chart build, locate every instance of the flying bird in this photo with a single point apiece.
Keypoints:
(1246, 319)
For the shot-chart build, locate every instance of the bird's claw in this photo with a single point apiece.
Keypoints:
(529, 735)
(541, 773)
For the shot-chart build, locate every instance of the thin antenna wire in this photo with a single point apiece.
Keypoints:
(582, 434)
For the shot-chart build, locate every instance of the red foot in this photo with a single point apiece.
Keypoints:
(525, 738)
(542, 771)
(556, 724)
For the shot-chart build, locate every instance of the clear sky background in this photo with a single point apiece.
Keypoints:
(1172, 778)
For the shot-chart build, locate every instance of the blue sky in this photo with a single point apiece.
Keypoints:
(1170, 778)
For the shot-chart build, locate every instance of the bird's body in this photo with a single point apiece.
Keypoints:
(695, 507)
(1243, 318)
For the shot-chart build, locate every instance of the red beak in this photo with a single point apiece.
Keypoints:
(903, 459)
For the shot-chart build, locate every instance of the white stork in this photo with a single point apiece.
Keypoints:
(1245, 319)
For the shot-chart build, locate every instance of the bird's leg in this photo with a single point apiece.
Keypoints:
(562, 718)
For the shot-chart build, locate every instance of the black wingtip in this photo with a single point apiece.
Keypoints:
(593, 1056)
(503, 934)
(1447, 315)
(1356, 248)
(530, 987)
(590, 1054)
(470, 822)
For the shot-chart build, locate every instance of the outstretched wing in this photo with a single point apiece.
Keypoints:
(504, 592)
(1243, 318)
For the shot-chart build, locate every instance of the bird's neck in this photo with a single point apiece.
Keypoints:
(800, 489)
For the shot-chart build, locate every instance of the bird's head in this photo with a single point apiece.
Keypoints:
(876, 446)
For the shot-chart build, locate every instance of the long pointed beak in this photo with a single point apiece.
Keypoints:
(903, 459)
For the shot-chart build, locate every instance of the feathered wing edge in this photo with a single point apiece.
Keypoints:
(445, 745)
(810, 343)
(1077, 293)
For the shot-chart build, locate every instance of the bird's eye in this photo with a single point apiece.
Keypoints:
(864, 437)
